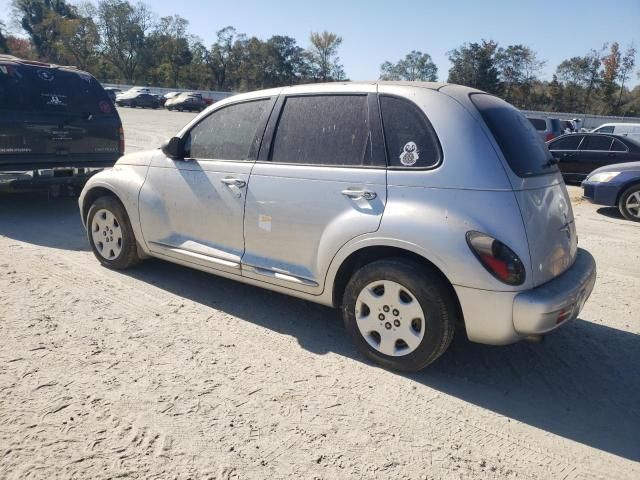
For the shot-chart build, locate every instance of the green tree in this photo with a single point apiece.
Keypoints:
(581, 76)
(123, 29)
(78, 39)
(4, 48)
(40, 20)
(415, 66)
(169, 44)
(475, 65)
(518, 66)
(323, 56)
(221, 56)
(626, 67)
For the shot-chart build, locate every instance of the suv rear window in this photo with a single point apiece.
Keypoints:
(27, 88)
(522, 147)
(538, 123)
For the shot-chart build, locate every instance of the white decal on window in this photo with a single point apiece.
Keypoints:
(410, 154)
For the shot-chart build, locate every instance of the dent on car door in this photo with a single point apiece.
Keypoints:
(192, 209)
(320, 181)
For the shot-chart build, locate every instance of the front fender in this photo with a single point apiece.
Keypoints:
(124, 181)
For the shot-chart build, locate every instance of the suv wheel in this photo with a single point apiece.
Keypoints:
(399, 315)
(629, 204)
(134, 105)
(110, 234)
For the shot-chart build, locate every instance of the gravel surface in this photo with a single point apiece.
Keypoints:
(167, 372)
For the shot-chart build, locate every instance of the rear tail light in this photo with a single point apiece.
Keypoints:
(550, 136)
(121, 144)
(499, 260)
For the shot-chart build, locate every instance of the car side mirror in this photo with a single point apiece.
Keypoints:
(174, 148)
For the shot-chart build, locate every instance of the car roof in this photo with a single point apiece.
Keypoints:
(619, 124)
(32, 63)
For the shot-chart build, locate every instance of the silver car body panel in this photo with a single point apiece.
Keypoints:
(299, 228)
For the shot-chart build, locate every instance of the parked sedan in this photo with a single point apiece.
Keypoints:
(192, 102)
(579, 154)
(138, 99)
(616, 186)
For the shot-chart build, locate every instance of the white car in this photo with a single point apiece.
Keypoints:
(631, 130)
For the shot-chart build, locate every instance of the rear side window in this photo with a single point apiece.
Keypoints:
(522, 147)
(539, 124)
(596, 143)
(411, 141)
(26, 88)
(618, 146)
(570, 142)
(228, 133)
(323, 130)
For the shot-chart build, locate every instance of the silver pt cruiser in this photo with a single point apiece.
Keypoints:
(410, 206)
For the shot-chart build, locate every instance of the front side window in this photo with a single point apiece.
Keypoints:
(570, 142)
(607, 129)
(323, 130)
(228, 133)
(600, 143)
(411, 141)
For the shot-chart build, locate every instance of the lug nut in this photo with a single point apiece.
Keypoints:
(381, 317)
(396, 322)
(395, 312)
(386, 308)
(387, 326)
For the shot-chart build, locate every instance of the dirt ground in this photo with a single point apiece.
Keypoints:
(166, 372)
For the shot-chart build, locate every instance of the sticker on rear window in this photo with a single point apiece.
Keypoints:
(46, 75)
(55, 100)
(410, 154)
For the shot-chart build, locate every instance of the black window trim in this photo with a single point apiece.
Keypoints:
(257, 139)
(623, 144)
(378, 152)
(588, 135)
(429, 126)
(577, 149)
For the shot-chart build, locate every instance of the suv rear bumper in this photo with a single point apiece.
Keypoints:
(500, 318)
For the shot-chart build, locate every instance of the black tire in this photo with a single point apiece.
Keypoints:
(633, 190)
(180, 109)
(134, 105)
(434, 296)
(128, 256)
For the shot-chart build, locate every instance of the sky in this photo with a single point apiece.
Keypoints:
(374, 31)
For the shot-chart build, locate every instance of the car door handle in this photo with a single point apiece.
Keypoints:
(234, 182)
(359, 194)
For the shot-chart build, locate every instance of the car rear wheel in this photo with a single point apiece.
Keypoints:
(134, 105)
(110, 234)
(629, 203)
(399, 315)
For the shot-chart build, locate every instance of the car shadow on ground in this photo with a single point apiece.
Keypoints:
(611, 212)
(582, 383)
(40, 220)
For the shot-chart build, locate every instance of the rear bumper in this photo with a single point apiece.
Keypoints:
(501, 318)
(548, 306)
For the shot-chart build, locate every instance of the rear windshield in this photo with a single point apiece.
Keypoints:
(522, 147)
(26, 88)
(538, 123)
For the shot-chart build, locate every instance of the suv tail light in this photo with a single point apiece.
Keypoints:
(121, 144)
(550, 136)
(499, 260)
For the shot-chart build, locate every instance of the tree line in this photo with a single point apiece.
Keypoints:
(123, 42)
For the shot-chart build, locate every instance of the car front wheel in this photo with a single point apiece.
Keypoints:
(110, 234)
(400, 315)
(629, 203)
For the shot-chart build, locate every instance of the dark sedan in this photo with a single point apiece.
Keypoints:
(138, 99)
(616, 186)
(579, 154)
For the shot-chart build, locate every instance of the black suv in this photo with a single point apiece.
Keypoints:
(53, 116)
